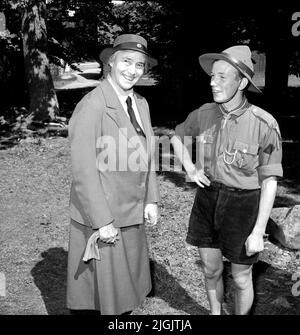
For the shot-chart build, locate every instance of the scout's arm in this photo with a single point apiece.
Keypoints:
(185, 159)
(255, 242)
(269, 169)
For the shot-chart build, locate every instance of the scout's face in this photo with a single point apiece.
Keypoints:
(127, 67)
(225, 82)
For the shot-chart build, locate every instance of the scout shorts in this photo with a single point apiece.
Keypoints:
(223, 218)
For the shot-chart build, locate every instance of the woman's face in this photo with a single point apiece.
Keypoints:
(127, 67)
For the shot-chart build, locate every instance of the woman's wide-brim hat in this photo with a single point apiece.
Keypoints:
(128, 42)
(238, 56)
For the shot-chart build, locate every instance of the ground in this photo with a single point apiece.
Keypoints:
(35, 181)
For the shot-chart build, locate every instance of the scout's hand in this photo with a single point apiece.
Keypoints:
(254, 244)
(151, 214)
(199, 178)
(108, 234)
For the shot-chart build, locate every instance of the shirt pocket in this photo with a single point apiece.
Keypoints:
(246, 156)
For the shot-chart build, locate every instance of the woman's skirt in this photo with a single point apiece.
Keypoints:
(115, 284)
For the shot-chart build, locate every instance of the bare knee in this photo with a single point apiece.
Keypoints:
(243, 279)
(212, 271)
(211, 263)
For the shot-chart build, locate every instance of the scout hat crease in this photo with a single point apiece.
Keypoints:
(128, 42)
(238, 56)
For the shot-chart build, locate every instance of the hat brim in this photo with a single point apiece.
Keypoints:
(107, 52)
(206, 61)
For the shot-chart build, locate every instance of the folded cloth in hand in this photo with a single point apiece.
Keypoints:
(92, 250)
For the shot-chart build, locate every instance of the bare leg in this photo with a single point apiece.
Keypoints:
(242, 278)
(212, 266)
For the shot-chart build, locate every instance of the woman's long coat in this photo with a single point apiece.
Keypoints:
(113, 178)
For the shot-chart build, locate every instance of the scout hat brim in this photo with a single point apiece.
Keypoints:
(206, 61)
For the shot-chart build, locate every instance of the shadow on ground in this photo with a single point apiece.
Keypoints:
(166, 287)
(285, 201)
(50, 276)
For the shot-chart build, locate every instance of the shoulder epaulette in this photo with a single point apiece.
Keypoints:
(266, 117)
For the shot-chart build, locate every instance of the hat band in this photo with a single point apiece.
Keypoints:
(240, 64)
(131, 46)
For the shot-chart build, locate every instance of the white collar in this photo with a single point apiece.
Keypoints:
(121, 97)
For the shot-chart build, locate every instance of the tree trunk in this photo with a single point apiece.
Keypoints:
(43, 99)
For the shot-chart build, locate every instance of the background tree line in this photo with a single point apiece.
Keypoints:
(39, 33)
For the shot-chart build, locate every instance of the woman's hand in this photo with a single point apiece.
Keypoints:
(108, 234)
(151, 214)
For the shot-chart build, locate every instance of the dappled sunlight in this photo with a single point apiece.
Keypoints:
(41, 64)
(52, 106)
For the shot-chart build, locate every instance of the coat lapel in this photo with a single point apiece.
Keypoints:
(116, 111)
(144, 119)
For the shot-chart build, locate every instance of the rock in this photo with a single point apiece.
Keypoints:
(284, 226)
(281, 302)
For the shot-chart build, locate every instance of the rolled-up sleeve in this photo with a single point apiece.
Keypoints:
(270, 155)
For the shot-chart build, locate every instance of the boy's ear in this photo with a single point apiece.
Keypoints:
(243, 84)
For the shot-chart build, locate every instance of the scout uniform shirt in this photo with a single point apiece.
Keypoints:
(238, 149)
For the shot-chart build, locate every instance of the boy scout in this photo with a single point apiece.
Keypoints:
(240, 160)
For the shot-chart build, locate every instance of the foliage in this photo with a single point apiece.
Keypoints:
(74, 28)
(78, 29)
(10, 44)
(11, 57)
(177, 34)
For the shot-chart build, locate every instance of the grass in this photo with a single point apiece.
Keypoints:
(35, 181)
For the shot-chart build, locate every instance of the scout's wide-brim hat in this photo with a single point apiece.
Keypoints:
(238, 56)
(128, 42)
